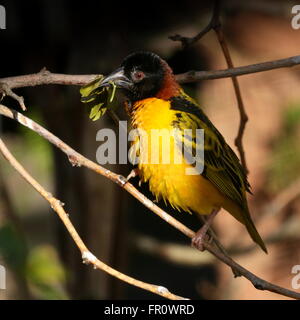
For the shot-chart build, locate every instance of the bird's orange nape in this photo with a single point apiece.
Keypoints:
(170, 87)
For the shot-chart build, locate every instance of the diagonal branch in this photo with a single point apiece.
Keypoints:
(87, 256)
(195, 76)
(79, 160)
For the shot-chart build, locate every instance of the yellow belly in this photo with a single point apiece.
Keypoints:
(170, 181)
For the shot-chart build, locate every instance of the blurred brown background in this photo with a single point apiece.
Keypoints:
(41, 260)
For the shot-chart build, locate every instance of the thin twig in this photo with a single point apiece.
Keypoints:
(243, 115)
(87, 256)
(6, 91)
(195, 76)
(79, 160)
(188, 41)
(257, 282)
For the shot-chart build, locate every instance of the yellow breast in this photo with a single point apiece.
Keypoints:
(159, 160)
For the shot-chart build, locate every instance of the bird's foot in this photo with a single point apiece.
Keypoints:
(200, 238)
(201, 235)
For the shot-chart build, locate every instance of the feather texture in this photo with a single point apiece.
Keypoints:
(223, 182)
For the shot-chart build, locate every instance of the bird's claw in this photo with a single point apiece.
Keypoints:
(199, 240)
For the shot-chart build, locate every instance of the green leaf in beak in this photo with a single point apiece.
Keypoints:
(97, 98)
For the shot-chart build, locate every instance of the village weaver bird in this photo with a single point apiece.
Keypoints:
(155, 100)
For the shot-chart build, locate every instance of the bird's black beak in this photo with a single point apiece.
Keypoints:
(118, 78)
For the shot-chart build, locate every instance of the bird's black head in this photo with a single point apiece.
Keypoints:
(141, 75)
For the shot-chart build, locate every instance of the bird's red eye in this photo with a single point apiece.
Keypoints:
(138, 75)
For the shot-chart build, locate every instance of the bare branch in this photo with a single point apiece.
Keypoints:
(80, 160)
(87, 256)
(46, 77)
(195, 76)
(257, 282)
(243, 115)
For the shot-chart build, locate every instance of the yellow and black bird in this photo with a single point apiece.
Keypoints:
(156, 101)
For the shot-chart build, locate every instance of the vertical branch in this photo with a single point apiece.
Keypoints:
(243, 115)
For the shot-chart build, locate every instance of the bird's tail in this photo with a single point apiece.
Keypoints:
(246, 220)
(254, 234)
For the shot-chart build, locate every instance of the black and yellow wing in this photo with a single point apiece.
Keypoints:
(221, 165)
